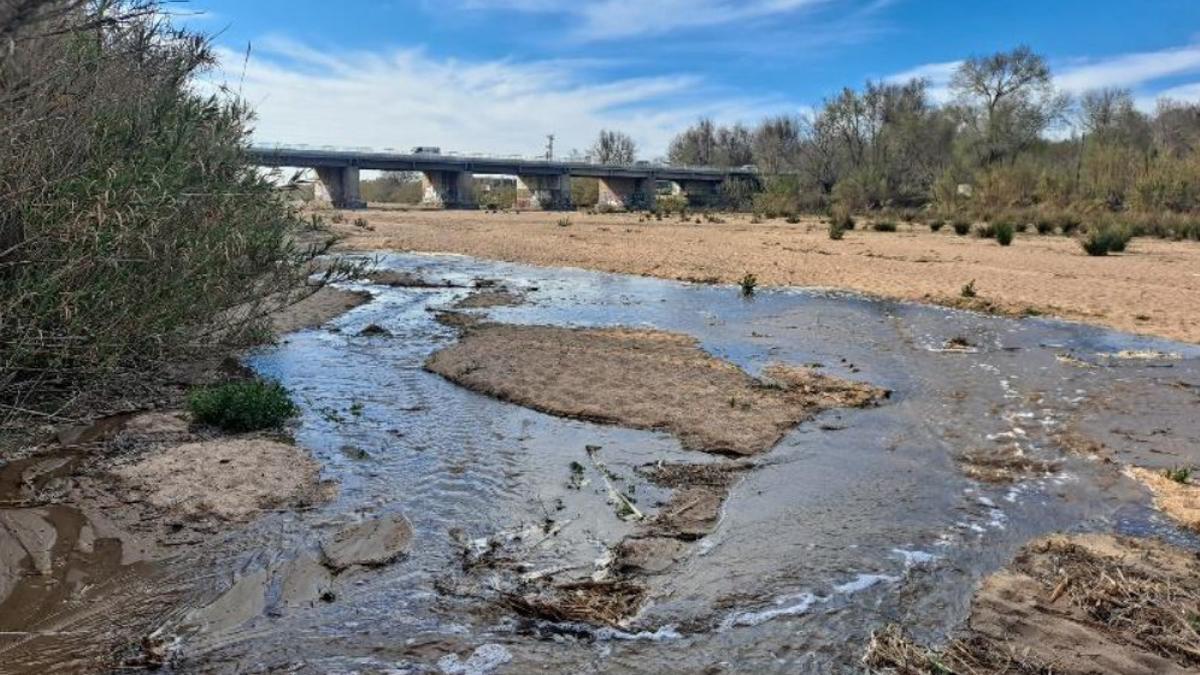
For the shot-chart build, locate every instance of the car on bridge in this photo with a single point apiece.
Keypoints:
(426, 150)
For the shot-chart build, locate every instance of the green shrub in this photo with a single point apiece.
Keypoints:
(748, 283)
(242, 406)
(884, 226)
(1178, 474)
(1004, 233)
(842, 218)
(792, 219)
(936, 225)
(968, 289)
(1044, 225)
(133, 229)
(961, 227)
(836, 232)
(1100, 241)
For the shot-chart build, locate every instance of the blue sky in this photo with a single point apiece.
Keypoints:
(498, 75)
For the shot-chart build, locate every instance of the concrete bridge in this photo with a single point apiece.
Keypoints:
(541, 184)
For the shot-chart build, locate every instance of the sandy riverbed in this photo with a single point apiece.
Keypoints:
(1152, 289)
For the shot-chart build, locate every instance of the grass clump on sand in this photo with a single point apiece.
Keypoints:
(242, 406)
(936, 225)
(748, 283)
(841, 217)
(884, 226)
(1182, 474)
(1004, 233)
(564, 222)
(961, 227)
(968, 289)
(1103, 240)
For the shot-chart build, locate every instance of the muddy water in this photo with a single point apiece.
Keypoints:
(859, 518)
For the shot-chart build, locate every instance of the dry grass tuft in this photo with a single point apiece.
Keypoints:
(608, 603)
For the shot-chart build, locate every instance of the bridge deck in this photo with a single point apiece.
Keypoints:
(311, 158)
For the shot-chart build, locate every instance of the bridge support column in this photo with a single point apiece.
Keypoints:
(704, 193)
(448, 189)
(626, 193)
(544, 193)
(338, 187)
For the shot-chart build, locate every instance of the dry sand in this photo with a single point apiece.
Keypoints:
(642, 379)
(1152, 289)
(1078, 604)
(1180, 501)
(232, 478)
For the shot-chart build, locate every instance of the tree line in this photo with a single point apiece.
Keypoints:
(1007, 139)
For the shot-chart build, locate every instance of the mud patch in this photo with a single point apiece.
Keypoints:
(399, 279)
(1078, 604)
(323, 305)
(1005, 464)
(642, 379)
(490, 298)
(607, 603)
(230, 478)
(1179, 500)
(371, 543)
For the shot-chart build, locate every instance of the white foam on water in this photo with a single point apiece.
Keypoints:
(790, 605)
(667, 632)
(485, 659)
(864, 581)
(915, 558)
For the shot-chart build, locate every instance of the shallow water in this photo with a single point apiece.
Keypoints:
(856, 519)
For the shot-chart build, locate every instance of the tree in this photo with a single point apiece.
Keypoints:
(776, 143)
(1006, 100)
(1109, 115)
(614, 147)
(707, 144)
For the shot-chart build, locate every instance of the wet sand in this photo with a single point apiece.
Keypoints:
(644, 380)
(1153, 289)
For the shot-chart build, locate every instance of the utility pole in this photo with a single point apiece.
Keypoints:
(549, 146)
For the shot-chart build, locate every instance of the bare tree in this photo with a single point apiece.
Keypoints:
(614, 147)
(1007, 99)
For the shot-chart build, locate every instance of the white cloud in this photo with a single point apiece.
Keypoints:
(1137, 71)
(613, 19)
(1130, 70)
(406, 98)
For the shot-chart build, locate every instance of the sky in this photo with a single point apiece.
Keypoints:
(498, 76)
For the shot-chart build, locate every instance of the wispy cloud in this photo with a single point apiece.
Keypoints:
(1139, 71)
(406, 97)
(616, 19)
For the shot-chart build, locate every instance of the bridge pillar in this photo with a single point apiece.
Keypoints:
(448, 189)
(338, 186)
(626, 193)
(544, 193)
(700, 192)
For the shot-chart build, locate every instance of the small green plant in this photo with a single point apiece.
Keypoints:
(1179, 474)
(356, 408)
(792, 219)
(936, 225)
(564, 222)
(577, 480)
(1004, 233)
(337, 217)
(1104, 240)
(884, 226)
(1044, 225)
(748, 283)
(961, 227)
(986, 231)
(968, 289)
(361, 223)
(242, 406)
(836, 232)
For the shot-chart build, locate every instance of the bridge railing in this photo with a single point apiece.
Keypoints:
(458, 154)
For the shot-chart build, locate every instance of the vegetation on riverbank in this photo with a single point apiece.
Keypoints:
(133, 232)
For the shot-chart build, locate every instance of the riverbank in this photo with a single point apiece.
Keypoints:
(1144, 291)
